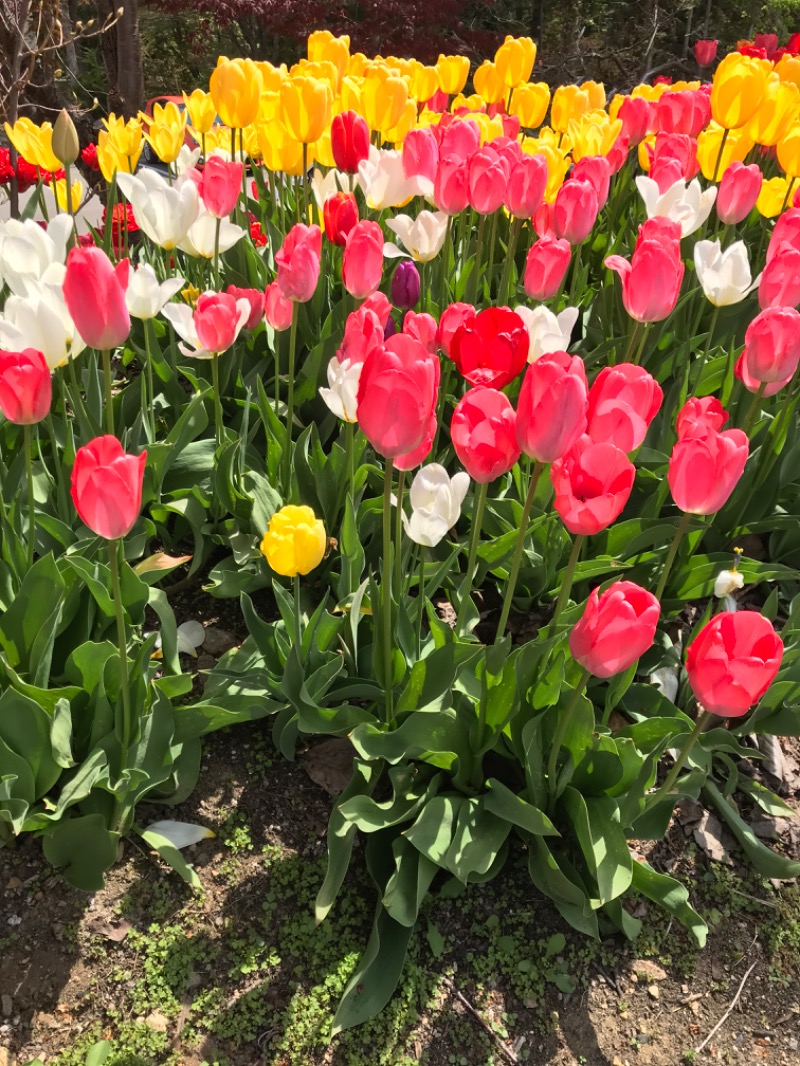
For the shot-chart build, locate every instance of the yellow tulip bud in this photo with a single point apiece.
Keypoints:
(76, 195)
(773, 196)
(306, 105)
(453, 73)
(201, 110)
(383, 101)
(788, 148)
(709, 145)
(651, 93)
(218, 138)
(236, 91)
(352, 90)
(737, 89)
(357, 65)
(472, 103)
(530, 102)
(488, 83)
(514, 61)
(788, 69)
(644, 155)
(779, 108)
(66, 146)
(295, 541)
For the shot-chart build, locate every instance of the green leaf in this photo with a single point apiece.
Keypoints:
(501, 801)
(602, 841)
(432, 831)
(171, 856)
(552, 881)
(28, 627)
(25, 729)
(408, 886)
(477, 839)
(409, 793)
(429, 732)
(766, 799)
(672, 896)
(767, 862)
(83, 849)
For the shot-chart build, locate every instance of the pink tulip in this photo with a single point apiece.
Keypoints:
(219, 186)
(107, 487)
(397, 395)
(451, 185)
(738, 192)
(363, 333)
(278, 310)
(597, 171)
(617, 154)
(420, 154)
(623, 401)
(552, 406)
(704, 471)
(699, 416)
(780, 281)
(460, 140)
(543, 221)
(423, 327)
(452, 319)
(26, 386)
(488, 177)
(685, 112)
(575, 210)
(786, 231)
(705, 52)
(772, 345)
(618, 626)
(380, 305)
(526, 185)
(651, 282)
(218, 318)
(635, 113)
(298, 262)
(94, 291)
(255, 298)
(419, 454)
(741, 371)
(671, 149)
(483, 434)
(545, 268)
(592, 484)
(362, 262)
(510, 151)
(663, 231)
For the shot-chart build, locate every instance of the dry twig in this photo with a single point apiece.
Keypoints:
(729, 1011)
(466, 1003)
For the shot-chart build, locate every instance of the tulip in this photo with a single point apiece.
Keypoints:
(492, 348)
(451, 185)
(636, 117)
(219, 186)
(546, 267)
(597, 171)
(552, 407)
(786, 232)
(423, 236)
(40, 319)
(202, 112)
(218, 319)
(663, 231)
(340, 214)
(27, 251)
(488, 177)
(236, 91)
(617, 627)
(724, 276)
(278, 310)
(349, 141)
(453, 73)
(738, 192)
(704, 471)
(95, 294)
(295, 541)
(651, 282)
(737, 90)
(575, 211)
(145, 296)
(125, 139)
(530, 102)
(363, 333)
(436, 501)
(682, 203)
(165, 212)
(526, 186)
(397, 395)
(780, 281)
(788, 149)
(341, 396)
(742, 372)
(107, 487)
(384, 100)
(167, 131)
(451, 320)
(705, 52)
(700, 416)
(778, 111)
(69, 200)
(362, 262)
(592, 484)
(34, 143)
(26, 386)
(488, 83)
(420, 154)
(384, 184)
(716, 151)
(423, 328)
(298, 262)
(623, 401)
(772, 345)
(547, 332)
(483, 432)
(514, 60)
(405, 285)
(209, 236)
(305, 107)
(732, 662)
(255, 302)
(411, 459)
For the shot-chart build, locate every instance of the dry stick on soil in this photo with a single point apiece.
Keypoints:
(466, 1003)
(729, 1011)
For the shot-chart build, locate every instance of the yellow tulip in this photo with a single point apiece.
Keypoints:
(250, 143)
(683, 86)
(236, 91)
(403, 67)
(453, 73)
(76, 195)
(109, 158)
(779, 108)
(167, 131)
(295, 541)
(191, 294)
(352, 91)
(709, 145)
(773, 196)
(644, 155)
(271, 77)
(424, 82)
(514, 61)
(737, 89)
(652, 93)
(488, 83)
(320, 70)
(306, 105)
(127, 138)
(472, 103)
(557, 162)
(322, 150)
(324, 47)
(788, 148)
(357, 65)
(34, 143)
(218, 138)
(397, 134)
(788, 69)
(202, 114)
(530, 102)
(593, 134)
(569, 103)
(383, 100)
(279, 150)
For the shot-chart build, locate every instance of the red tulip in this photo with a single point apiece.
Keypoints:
(526, 185)
(699, 416)
(704, 471)
(772, 345)
(597, 171)
(618, 153)
(636, 115)
(278, 310)
(219, 186)
(451, 185)
(545, 268)
(26, 386)
(298, 262)
(552, 406)
(592, 484)
(107, 487)
(420, 154)
(397, 395)
(575, 211)
(767, 41)
(738, 192)
(492, 349)
(488, 178)
(363, 333)
(255, 298)
(616, 628)
(423, 327)
(651, 281)
(218, 318)
(349, 141)
(340, 213)
(94, 291)
(780, 280)
(705, 52)
(451, 321)
(732, 662)
(483, 433)
(623, 401)
(362, 262)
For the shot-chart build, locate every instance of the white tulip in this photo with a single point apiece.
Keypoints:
(40, 317)
(200, 239)
(181, 316)
(164, 212)
(423, 236)
(547, 332)
(385, 185)
(724, 276)
(341, 396)
(685, 204)
(324, 186)
(27, 250)
(727, 581)
(436, 501)
(187, 158)
(180, 834)
(145, 297)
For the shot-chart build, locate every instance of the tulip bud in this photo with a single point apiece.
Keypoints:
(66, 147)
(295, 541)
(405, 285)
(738, 192)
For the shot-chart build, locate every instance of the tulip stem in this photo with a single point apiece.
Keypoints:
(642, 342)
(574, 289)
(106, 357)
(28, 446)
(719, 153)
(149, 334)
(386, 591)
(566, 581)
(287, 455)
(476, 263)
(114, 548)
(517, 560)
(398, 533)
(632, 341)
(755, 403)
(298, 632)
(217, 401)
(560, 733)
(216, 253)
(505, 280)
(492, 244)
(789, 188)
(475, 536)
(703, 719)
(305, 184)
(443, 290)
(420, 598)
(680, 532)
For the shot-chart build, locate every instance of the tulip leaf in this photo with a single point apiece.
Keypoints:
(432, 733)
(409, 793)
(478, 836)
(171, 855)
(25, 728)
(432, 832)
(83, 848)
(595, 821)
(501, 801)
(28, 627)
(767, 862)
(671, 895)
(408, 885)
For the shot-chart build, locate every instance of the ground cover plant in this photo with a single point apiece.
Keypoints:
(581, 338)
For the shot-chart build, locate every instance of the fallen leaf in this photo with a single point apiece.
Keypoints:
(708, 834)
(330, 764)
(649, 969)
(116, 931)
